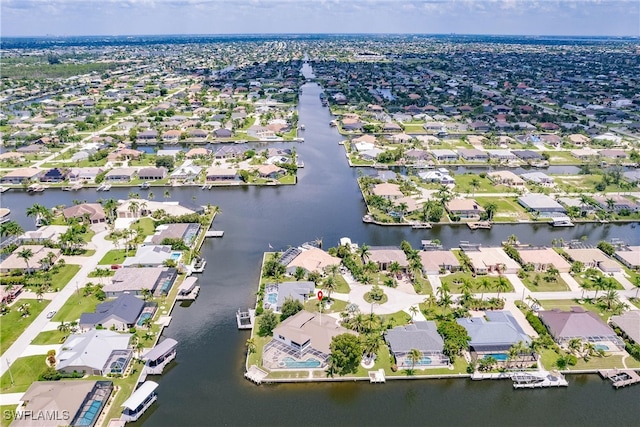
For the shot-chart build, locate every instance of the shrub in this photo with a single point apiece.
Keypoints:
(536, 323)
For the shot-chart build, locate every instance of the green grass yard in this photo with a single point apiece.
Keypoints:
(24, 370)
(114, 256)
(13, 324)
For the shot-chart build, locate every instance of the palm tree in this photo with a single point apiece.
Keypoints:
(146, 294)
(65, 328)
(10, 228)
(574, 345)
(599, 283)
(133, 207)
(364, 252)
(610, 203)
(512, 240)
(26, 254)
(502, 285)
(475, 183)
(251, 345)
(329, 285)
(491, 209)
(394, 268)
(413, 310)
(40, 213)
(485, 285)
(39, 293)
(414, 356)
(110, 207)
(333, 269)
(371, 343)
(610, 297)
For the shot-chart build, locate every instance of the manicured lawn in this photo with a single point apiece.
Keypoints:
(398, 318)
(342, 285)
(566, 304)
(114, 256)
(13, 324)
(75, 306)
(582, 278)
(5, 420)
(147, 225)
(422, 286)
(24, 370)
(125, 386)
(287, 179)
(635, 301)
(563, 157)
(543, 286)
(549, 358)
(337, 306)
(48, 337)
(509, 209)
(463, 185)
(455, 283)
(88, 235)
(64, 276)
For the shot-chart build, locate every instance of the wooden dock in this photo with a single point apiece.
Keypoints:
(486, 225)
(214, 233)
(255, 374)
(620, 377)
(377, 376)
(245, 319)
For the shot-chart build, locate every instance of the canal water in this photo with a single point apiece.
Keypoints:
(205, 387)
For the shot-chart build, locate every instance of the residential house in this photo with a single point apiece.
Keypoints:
(585, 154)
(40, 259)
(501, 155)
(133, 280)
(135, 208)
(422, 336)
(465, 208)
(47, 233)
(148, 136)
(222, 174)
(578, 323)
(229, 152)
(152, 173)
(197, 152)
(298, 291)
(490, 260)
(629, 256)
(95, 352)
(473, 155)
(270, 171)
(21, 175)
(537, 178)
(151, 256)
(120, 174)
(171, 136)
(439, 261)
(507, 178)
(629, 324)
(617, 203)
(223, 133)
(527, 155)
(613, 154)
(124, 154)
(444, 155)
(543, 258)
(93, 212)
(542, 204)
(384, 256)
(386, 190)
(120, 314)
(493, 334)
(593, 258)
(187, 232)
(186, 172)
(54, 175)
(312, 260)
(440, 176)
(87, 174)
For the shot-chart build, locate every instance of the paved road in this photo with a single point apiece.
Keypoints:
(41, 322)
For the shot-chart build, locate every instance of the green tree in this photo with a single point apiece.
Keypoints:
(346, 354)
(268, 321)
(26, 254)
(166, 161)
(299, 273)
(10, 228)
(490, 208)
(414, 356)
(364, 252)
(329, 284)
(251, 345)
(290, 307)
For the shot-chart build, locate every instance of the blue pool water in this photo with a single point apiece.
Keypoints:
(272, 298)
(602, 347)
(500, 357)
(118, 366)
(90, 414)
(424, 361)
(143, 317)
(175, 255)
(164, 288)
(291, 363)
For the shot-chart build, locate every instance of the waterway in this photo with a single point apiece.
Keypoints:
(206, 387)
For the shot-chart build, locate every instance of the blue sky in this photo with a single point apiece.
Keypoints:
(130, 17)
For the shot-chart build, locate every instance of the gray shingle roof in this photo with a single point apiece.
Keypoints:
(421, 336)
(501, 330)
(126, 308)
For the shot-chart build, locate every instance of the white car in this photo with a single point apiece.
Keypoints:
(51, 314)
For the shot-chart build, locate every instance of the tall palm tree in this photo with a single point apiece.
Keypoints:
(133, 207)
(502, 285)
(491, 209)
(333, 269)
(414, 356)
(364, 252)
(394, 268)
(413, 310)
(371, 343)
(40, 213)
(26, 254)
(475, 183)
(10, 228)
(251, 345)
(65, 328)
(329, 285)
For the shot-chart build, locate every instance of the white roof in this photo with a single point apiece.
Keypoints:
(140, 395)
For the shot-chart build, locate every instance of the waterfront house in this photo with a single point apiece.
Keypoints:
(383, 256)
(578, 323)
(270, 171)
(54, 175)
(312, 260)
(168, 152)
(629, 256)
(277, 293)
(473, 155)
(123, 153)
(41, 259)
(152, 173)
(490, 260)
(136, 208)
(437, 176)
(422, 336)
(302, 341)
(537, 178)
(593, 258)
(120, 314)
(46, 233)
(222, 174)
(133, 280)
(87, 174)
(77, 402)
(362, 146)
(439, 261)
(159, 356)
(465, 208)
(186, 232)
(386, 190)
(171, 136)
(151, 256)
(527, 155)
(95, 352)
(120, 174)
(92, 212)
(223, 133)
(618, 203)
(139, 401)
(444, 155)
(542, 204)
(197, 152)
(629, 324)
(21, 175)
(186, 172)
(229, 152)
(613, 154)
(493, 334)
(585, 153)
(543, 258)
(501, 155)
(371, 155)
(148, 136)
(506, 178)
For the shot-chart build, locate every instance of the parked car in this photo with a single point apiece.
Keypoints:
(51, 314)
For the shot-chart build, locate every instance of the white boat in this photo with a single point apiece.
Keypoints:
(4, 215)
(145, 185)
(300, 163)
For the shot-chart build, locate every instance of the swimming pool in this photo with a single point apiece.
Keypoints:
(291, 363)
(143, 317)
(602, 347)
(166, 285)
(90, 413)
(424, 361)
(272, 298)
(176, 256)
(500, 357)
(118, 366)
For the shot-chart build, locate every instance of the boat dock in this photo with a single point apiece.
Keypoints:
(75, 187)
(620, 377)
(255, 374)
(188, 290)
(421, 225)
(377, 376)
(104, 187)
(207, 187)
(214, 233)
(538, 379)
(245, 319)
(36, 188)
(486, 225)
(561, 221)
